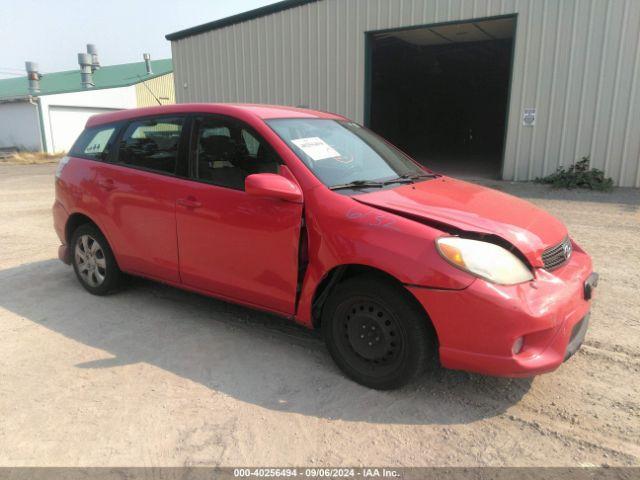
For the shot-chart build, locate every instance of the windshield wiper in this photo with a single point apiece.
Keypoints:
(371, 183)
(358, 184)
(415, 176)
(400, 179)
(406, 178)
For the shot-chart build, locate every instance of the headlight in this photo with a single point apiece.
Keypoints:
(484, 259)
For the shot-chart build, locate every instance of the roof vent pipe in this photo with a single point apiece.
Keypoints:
(147, 63)
(93, 51)
(86, 74)
(33, 76)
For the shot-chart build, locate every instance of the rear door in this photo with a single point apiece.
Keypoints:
(138, 195)
(232, 244)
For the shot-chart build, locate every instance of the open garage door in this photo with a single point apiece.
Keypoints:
(440, 93)
(66, 123)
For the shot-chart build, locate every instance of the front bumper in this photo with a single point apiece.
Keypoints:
(577, 337)
(478, 326)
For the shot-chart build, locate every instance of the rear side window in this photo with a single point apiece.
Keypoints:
(94, 143)
(152, 144)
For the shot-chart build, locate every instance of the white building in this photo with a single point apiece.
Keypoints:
(48, 112)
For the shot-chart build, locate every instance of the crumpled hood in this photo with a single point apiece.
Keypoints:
(465, 206)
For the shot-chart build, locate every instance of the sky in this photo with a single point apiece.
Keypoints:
(53, 32)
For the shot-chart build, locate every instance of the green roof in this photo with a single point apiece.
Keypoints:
(110, 76)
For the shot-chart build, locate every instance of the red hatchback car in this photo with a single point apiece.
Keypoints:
(311, 216)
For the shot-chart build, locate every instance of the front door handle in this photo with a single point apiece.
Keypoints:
(106, 184)
(189, 202)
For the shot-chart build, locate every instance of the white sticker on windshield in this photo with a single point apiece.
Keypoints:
(316, 148)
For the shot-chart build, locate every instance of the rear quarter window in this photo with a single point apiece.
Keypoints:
(94, 143)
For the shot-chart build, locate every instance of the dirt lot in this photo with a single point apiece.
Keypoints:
(155, 376)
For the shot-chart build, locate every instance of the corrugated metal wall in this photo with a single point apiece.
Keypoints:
(162, 87)
(576, 61)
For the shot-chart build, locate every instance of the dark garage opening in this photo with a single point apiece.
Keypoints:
(440, 93)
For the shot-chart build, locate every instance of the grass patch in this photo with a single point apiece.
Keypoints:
(578, 175)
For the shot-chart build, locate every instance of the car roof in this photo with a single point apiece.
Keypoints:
(238, 110)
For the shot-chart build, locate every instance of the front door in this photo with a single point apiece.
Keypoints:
(232, 244)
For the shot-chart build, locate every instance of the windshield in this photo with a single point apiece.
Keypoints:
(340, 153)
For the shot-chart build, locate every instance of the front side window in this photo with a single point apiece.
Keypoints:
(94, 143)
(152, 144)
(225, 153)
(341, 152)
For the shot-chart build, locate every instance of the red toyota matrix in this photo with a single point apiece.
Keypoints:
(311, 216)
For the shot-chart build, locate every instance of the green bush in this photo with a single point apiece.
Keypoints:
(578, 175)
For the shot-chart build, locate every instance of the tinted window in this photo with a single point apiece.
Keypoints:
(152, 144)
(226, 153)
(339, 152)
(94, 143)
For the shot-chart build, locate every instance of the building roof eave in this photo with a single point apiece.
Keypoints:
(240, 17)
(17, 99)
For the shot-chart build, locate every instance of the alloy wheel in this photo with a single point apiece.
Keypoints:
(90, 260)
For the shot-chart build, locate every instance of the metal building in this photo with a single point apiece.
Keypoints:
(511, 88)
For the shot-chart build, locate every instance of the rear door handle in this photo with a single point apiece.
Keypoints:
(107, 184)
(189, 202)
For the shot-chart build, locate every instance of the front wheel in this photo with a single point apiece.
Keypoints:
(93, 260)
(376, 333)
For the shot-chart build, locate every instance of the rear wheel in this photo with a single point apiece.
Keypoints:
(93, 260)
(376, 333)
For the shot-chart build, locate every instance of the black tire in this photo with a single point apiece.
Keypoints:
(100, 275)
(376, 333)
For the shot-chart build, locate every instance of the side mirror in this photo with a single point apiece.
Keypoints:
(273, 186)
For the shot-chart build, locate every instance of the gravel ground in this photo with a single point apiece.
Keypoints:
(156, 376)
